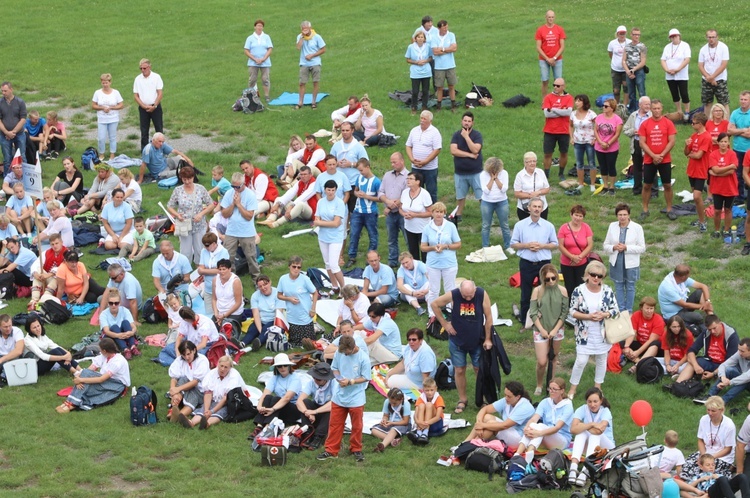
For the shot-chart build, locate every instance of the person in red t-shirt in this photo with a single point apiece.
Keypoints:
(718, 343)
(697, 150)
(557, 107)
(657, 137)
(722, 166)
(45, 280)
(675, 343)
(550, 44)
(648, 327)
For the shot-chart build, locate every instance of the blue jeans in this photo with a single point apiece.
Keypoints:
(394, 226)
(123, 344)
(588, 151)
(430, 181)
(734, 390)
(107, 130)
(625, 287)
(252, 333)
(502, 210)
(20, 142)
(639, 82)
(358, 221)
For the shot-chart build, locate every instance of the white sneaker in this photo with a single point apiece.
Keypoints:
(510, 251)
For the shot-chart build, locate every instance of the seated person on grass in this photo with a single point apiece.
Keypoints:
(155, 158)
(42, 211)
(513, 413)
(384, 345)
(104, 183)
(348, 114)
(649, 327)
(311, 155)
(144, 244)
(346, 329)
(428, 414)
(15, 176)
(20, 210)
(314, 403)
(299, 202)
(675, 297)
(379, 281)
(734, 373)
(718, 343)
(18, 261)
(264, 304)
(671, 462)
(352, 306)
(412, 282)
(216, 384)
(53, 137)
(417, 365)
(168, 265)
(219, 184)
(34, 133)
(396, 420)
(186, 374)
(44, 280)
(131, 292)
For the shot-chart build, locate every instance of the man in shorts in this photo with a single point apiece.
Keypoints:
(697, 150)
(712, 63)
(466, 149)
(443, 47)
(311, 46)
(657, 138)
(615, 49)
(550, 44)
(557, 107)
(634, 63)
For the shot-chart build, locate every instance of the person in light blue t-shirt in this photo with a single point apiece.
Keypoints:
(412, 281)
(379, 281)
(279, 398)
(239, 205)
(311, 46)
(513, 411)
(440, 241)
(385, 343)
(550, 425)
(443, 47)
(343, 186)
(330, 218)
(300, 297)
(592, 426)
(258, 48)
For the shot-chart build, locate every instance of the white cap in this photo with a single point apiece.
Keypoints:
(621, 29)
(674, 32)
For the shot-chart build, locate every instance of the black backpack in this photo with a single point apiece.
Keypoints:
(444, 375)
(648, 371)
(249, 103)
(691, 388)
(143, 407)
(484, 460)
(239, 407)
(53, 312)
(553, 470)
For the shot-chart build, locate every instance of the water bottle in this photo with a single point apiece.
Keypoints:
(134, 391)
(734, 234)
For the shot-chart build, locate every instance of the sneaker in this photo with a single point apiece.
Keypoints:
(716, 235)
(326, 456)
(127, 354)
(510, 251)
(412, 437)
(54, 154)
(581, 479)
(423, 440)
(745, 249)
(379, 448)
(538, 391)
(350, 263)
(695, 223)
(421, 311)
(572, 475)
(644, 215)
(358, 456)
(701, 400)
(573, 191)
(136, 351)
(671, 215)
(308, 344)
(702, 228)
(315, 443)
(256, 345)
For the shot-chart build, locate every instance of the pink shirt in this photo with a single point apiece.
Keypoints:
(607, 128)
(574, 242)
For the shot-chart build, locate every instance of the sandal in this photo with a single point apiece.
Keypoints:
(314, 105)
(64, 408)
(460, 407)
(297, 107)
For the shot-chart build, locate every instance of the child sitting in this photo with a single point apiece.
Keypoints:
(35, 129)
(20, 210)
(671, 464)
(396, 420)
(53, 140)
(717, 485)
(218, 182)
(428, 414)
(144, 244)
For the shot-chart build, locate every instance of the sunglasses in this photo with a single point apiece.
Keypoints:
(550, 279)
(296, 266)
(606, 106)
(412, 339)
(556, 86)
(596, 275)
(208, 245)
(114, 303)
(236, 187)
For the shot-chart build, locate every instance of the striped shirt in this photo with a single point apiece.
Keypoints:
(368, 186)
(423, 143)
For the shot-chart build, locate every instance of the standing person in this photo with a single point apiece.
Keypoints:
(348, 152)
(415, 208)
(607, 128)
(547, 312)
(723, 187)
(557, 107)
(258, 48)
(713, 59)
(301, 298)
(675, 60)
(311, 46)
(330, 217)
(494, 181)
(344, 187)
(624, 243)
(550, 44)
(365, 213)
(419, 57)
(533, 240)
(444, 47)
(107, 103)
(12, 122)
(697, 150)
(422, 148)
(576, 241)
(440, 241)
(633, 124)
(430, 32)
(238, 206)
(148, 90)
(466, 149)
(389, 193)
(189, 204)
(615, 49)
(657, 138)
(529, 183)
(739, 128)
(469, 330)
(590, 303)
(583, 137)
(634, 63)
(351, 368)
(717, 123)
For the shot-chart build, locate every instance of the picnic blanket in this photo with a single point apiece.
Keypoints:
(378, 382)
(287, 98)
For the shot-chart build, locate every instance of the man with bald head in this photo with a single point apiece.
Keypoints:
(550, 44)
(155, 158)
(557, 107)
(469, 330)
(423, 148)
(634, 122)
(168, 265)
(389, 193)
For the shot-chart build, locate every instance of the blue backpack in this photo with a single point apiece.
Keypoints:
(143, 407)
(318, 278)
(167, 183)
(89, 158)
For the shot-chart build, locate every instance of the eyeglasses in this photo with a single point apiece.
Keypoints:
(295, 266)
(556, 86)
(144, 68)
(606, 106)
(596, 275)
(554, 388)
(412, 339)
(236, 187)
(550, 279)
(114, 303)
(208, 244)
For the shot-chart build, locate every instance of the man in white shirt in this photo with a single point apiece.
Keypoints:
(423, 147)
(712, 63)
(147, 90)
(615, 49)
(11, 343)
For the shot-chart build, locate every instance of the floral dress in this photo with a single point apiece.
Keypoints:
(188, 205)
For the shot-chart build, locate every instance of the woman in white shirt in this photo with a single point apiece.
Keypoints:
(675, 60)
(227, 294)
(107, 103)
(45, 350)
(530, 182)
(186, 374)
(216, 384)
(415, 208)
(494, 180)
(132, 189)
(353, 306)
(369, 126)
(624, 243)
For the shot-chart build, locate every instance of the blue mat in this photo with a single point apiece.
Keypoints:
(287, 98)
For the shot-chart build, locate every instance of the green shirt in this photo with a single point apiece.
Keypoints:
(146, 238)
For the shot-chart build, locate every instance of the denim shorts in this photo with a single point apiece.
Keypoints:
(464, 182)
(556, 70)
(458, 355)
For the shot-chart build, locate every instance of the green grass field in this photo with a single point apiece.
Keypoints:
(54, 55)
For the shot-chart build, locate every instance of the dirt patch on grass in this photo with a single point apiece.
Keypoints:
(104, 457)
(119, 484)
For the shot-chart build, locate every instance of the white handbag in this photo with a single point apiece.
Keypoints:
(618, 329)
(21, 372)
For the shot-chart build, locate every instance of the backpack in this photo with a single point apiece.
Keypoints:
(648, 371)
(691, 388)
(249, 103)
(153, 311)
(436, 330)
(444, 375)
(273, 456)
(516, 469)
(53, 312)
(318, 278)
(484, 460)
(143, 407)
(89, 159)
(223, 347)
(277, 340)
(168, 183)
(553, 470)
(83, 237)
(239, 407)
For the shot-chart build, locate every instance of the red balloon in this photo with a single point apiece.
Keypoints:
(641, 413)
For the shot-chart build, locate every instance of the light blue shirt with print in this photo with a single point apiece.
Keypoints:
(384, 276)
(351, 366)
(327, 211)
(238, 226)
(301, 288)
(415, 278)
(443, 234)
